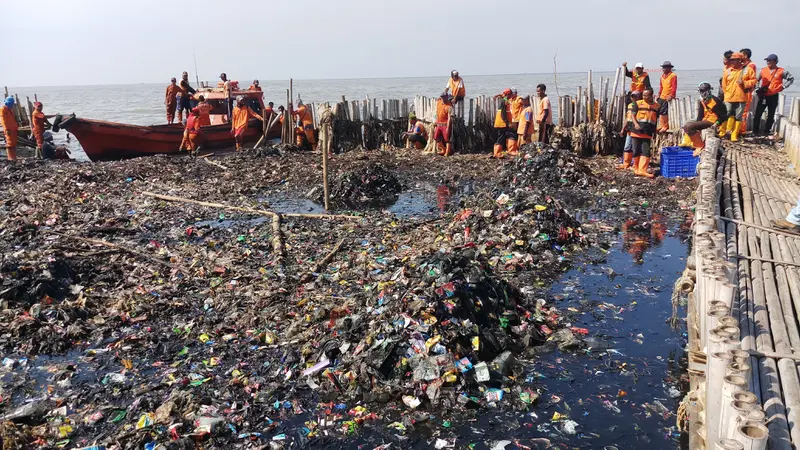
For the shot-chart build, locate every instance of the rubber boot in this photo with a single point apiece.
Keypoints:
(697, 141)
(627, 159)
(644, 163)
(723, 130)
(730, 124)
(635, 165)
(663, 123)
(687, 140)
(511, 145)
(737, 129)
(498, 151)
(448, 149)
(440, 148)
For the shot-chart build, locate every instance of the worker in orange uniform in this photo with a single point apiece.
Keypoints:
(737, 80)
(205, 111)
(749, 63)
(38, 122)
(771, 81)
(255, 86)
(455, 86)
(645, 116)
(10, 128)
(416, 134)
(545, 116)
(442, 133)
(711, 111)
(640, 80)
(526, 127)
(193, 131)
(516, 109)
(170, 99)
(241, 114)
(669, 88)
(502, 124)
(305, 125)
(726, 64)
(627, 149)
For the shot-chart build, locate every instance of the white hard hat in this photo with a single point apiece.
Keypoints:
(639, 66)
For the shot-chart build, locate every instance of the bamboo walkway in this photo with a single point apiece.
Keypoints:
(743, 316)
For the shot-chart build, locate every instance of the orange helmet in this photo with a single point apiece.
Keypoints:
(507, 91)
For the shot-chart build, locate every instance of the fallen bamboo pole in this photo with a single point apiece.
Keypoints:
(121, 248)
(216, 164)
(262, 212)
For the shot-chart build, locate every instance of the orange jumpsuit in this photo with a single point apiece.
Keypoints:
(205, 111)
(304, 117)
(241, 114)
(193, 130)
(37, 126)
(749, 92)
(10, 129)
(170, 100)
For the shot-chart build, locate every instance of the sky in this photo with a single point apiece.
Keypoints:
(147, 41)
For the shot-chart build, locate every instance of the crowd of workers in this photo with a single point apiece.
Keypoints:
(515, 121)
(647, 115)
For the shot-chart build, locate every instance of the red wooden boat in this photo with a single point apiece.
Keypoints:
(108, 140)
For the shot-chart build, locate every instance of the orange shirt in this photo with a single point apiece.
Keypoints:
(544, 104)
(8, 120)
(37, 122)
(442, 112)
(730, 84)
(172, 91)
(516, 109)
(772, 79)
(669, 85)
(205, 111)
(304, 116)
(241, 116)
(253, 87)
(456, 87)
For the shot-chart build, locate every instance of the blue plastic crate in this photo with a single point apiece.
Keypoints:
(678, 162)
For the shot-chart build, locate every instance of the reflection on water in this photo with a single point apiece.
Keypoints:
(639, 235)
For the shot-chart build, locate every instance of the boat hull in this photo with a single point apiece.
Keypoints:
(109, 141)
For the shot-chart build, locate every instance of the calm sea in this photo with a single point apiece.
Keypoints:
(143, 104)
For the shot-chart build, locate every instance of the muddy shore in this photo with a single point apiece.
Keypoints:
(192, 330)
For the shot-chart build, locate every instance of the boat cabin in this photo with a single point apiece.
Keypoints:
(220, 104)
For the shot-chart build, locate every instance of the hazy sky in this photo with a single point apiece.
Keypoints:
(65, 42)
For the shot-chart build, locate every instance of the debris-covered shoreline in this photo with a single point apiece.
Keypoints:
(195, 331)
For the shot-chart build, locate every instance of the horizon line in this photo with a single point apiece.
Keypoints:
(337, 79)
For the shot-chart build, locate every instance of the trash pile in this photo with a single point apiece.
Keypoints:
(194, 332)
(548, 167)
(368, 185)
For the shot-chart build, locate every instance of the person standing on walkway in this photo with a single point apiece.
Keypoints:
(711, 111)
(640, 80)
(455, 86)
(792, 221)
(171, 100)
(667, 92)
(628, 160)
(645, 117)
(737, 80)
(726, 64)
(771, 81)
(10, 128)
(747, 63)
(544, 119)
